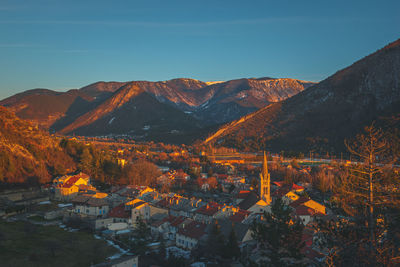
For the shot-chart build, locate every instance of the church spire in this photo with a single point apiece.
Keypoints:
(265, 182)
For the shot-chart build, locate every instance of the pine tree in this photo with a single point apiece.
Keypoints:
(232, 248)
(278, 237)
(367, 198)
(215, 241)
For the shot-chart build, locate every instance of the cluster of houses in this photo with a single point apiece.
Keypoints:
(185, 222)
(173, 177)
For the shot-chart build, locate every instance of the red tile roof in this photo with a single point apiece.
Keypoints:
(207, 210)
(164, 203)
(297, 187)
(193, 230)
(243, 194)
(97, 202)
(119, 212)
(281, 191)
(299, 202)
(278, 183)
(71, 181)
(304, 210)
(175, 221)
(239, 216)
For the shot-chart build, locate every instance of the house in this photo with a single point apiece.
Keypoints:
(207, 213)
(120, 214)
(167, 227)
(180, 206)
(318, 208)
(188, 236)
(140, 208)
(225, 212)
(67, 187)
(86, 205)
(242, 194)
(286, 194)
(305, 214)
(254, 204)
(259, 207)
(239, 216)
(249, 201)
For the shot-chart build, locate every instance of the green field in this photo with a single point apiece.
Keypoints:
(25, 244)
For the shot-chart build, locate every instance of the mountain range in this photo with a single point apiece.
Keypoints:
(178, 109)
(322, 116)
(258, 113)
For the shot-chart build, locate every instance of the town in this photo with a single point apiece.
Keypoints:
(199, 133)
(197, 200)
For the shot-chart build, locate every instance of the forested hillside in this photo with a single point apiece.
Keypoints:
(28, 154)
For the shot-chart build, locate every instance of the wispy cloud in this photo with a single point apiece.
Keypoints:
(75, 51)
(253, 21)
(11, 8)
(158, 24)
(16, 45)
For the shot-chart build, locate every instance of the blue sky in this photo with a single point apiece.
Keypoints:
(69, 44)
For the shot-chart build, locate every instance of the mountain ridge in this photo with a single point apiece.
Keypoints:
(207, 103)
(321, 116)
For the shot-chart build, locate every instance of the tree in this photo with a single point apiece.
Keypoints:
(142, 230)
(215, 241)
(232, 248)
(86, 159)
(324, 180)
(277, 237)
(162, 251)
(141, 172)
(369, 200)
(370, 149)
(142, 234)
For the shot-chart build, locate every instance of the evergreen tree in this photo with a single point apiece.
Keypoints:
(162, 251)
(279, 238)
(232, 248)
(142, 234)
(215, 241)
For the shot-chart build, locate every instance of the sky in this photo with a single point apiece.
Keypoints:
(62, 45)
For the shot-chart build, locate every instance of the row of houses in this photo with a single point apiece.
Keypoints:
(186, 222)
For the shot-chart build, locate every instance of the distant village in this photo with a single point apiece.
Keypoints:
(178, 222)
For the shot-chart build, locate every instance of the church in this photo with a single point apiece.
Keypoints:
(265, 183)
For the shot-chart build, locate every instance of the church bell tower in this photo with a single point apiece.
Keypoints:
(265, 182)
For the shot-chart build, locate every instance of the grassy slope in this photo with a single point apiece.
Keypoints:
(35, 245)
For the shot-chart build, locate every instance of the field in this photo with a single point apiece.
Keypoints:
(25, 244)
